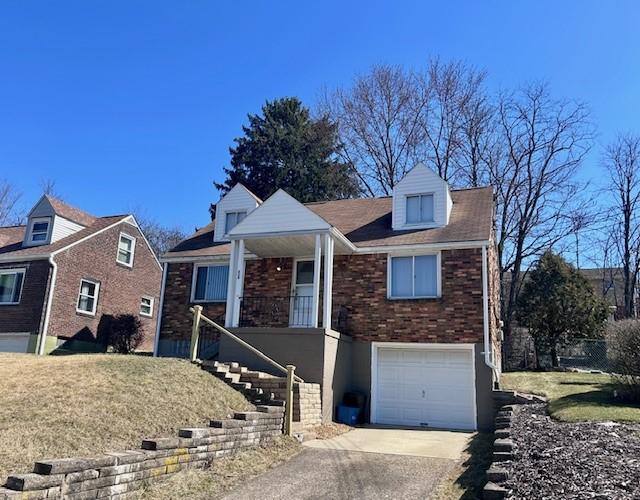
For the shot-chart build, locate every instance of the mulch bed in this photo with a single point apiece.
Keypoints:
(572, 460)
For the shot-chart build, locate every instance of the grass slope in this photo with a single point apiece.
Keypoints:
(54, 407)
(574, 397)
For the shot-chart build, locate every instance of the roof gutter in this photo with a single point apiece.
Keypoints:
(47, 314)
(488, 349)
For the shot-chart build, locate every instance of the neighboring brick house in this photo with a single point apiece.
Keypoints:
(65, 273)
(394, 297)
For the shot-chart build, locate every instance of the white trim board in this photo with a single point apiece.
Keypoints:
(375, 346)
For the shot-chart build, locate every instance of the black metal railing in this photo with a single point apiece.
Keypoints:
(286, 311)
(208, 342)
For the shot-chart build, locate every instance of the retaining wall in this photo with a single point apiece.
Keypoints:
(118, 475)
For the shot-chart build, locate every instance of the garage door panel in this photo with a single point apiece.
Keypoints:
(428, 387)
(14, 343)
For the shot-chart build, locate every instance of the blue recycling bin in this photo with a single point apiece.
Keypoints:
(348, 415)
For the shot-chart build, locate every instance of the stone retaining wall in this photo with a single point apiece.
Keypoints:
(118, 475)
(307, 404)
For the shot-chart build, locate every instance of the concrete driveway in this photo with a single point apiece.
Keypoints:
(362, 464)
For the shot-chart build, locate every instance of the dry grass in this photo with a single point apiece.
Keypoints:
(223, 474)
(54, 407)
(328, 431)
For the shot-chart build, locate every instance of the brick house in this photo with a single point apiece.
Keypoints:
(65, 273)
(394, 297)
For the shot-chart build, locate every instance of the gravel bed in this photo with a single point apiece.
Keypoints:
(556, 460)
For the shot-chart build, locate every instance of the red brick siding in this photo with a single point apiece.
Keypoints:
(27, 316)
(494, 303)
(176, 318)
(455, 317)
(121, 288)
(360, 283)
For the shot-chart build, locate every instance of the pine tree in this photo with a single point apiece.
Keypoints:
(283, 147)
(558, 304)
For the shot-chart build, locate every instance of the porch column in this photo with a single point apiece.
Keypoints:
(315, 300)
(231, 285)
(239, 287)
(328, 281)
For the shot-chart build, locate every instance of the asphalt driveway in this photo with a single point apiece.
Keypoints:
(362, 464)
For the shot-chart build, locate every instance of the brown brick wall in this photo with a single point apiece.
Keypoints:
(360, 283)
(455, 317)
(494, 303)
(121, 288)
(27, 316)
(176, 318)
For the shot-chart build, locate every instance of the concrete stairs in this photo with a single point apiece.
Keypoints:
(244, 380)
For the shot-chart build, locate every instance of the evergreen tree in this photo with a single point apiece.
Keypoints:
(558, 304)
(283, 147)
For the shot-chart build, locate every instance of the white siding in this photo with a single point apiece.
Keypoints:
(63, 227)
(421, 180)
(280, 213)
(42, 209)
(238, 199)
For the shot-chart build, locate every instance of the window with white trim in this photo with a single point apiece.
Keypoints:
(211, 283)
(39, 230)
(88, 297)
(126, 249)
(414, 276)
(146, 306)
(232, 219)
(11, 281)
(420, 209)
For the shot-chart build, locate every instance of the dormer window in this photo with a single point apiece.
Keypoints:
(39, 233)
(232, 219)
(420, 209)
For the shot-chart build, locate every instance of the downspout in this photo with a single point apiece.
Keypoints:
(156, 341)
(488, 349)
(47, 314)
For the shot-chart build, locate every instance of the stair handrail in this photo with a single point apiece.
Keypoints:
(198, 316)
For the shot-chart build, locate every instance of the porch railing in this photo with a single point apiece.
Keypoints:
(286, 311)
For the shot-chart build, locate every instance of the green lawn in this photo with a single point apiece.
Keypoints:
(574, 397)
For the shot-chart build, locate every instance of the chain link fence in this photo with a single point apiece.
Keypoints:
(584, 354)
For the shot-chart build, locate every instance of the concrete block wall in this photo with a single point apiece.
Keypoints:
(119, 475)
(307, 404)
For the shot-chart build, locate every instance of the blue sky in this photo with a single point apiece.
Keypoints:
(132, 105)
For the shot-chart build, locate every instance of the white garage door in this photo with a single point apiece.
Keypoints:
(14, 342)
(428, 387)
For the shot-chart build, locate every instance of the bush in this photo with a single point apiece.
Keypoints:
(623, 343)
(124, 333)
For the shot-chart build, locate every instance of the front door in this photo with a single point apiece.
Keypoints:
(302, 294)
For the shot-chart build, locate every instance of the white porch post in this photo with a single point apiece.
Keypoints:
(239, 288)
(328, 281)
(231, 285)
(317, 262)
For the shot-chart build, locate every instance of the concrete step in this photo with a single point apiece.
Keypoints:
(241, 386)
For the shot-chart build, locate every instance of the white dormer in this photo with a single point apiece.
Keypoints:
(421, 200)
(45, 226)
(233, 208)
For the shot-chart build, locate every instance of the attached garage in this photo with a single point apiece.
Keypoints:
(14, 342)
(425, 385)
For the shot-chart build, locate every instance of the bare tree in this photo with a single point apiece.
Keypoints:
(378, 121)
(541, 143)
(622, 161)
(161, 238)
(9, 213)
(456, 121)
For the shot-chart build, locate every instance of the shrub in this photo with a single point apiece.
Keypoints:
(623, 344)
(124, 333)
